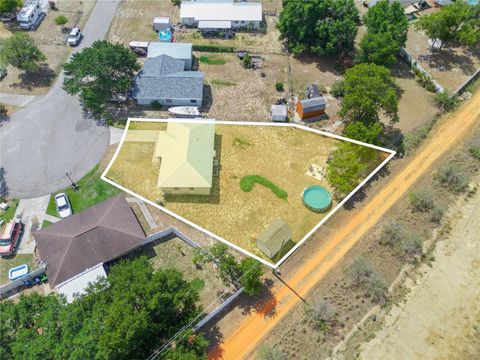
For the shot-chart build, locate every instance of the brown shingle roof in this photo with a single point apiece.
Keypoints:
(98, 234)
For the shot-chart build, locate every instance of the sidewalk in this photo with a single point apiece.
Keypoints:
(17, 99)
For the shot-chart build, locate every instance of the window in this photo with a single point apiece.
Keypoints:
(192, 188)
(193, 101)
(242, 22)
(168, 101)
(175, 188)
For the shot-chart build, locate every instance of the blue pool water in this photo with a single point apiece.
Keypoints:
(317, 198)
(472, 2)
(165, 35)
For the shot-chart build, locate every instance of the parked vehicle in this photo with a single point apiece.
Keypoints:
(184, 111)
(30, 15)
(74, 37)
(10, 238)
(63, 205)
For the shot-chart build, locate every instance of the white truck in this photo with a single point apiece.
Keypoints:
(30, 15)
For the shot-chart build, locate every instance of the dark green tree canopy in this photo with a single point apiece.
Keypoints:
(457, 21)
(126, 318)
(321, 27)
(20, 51)
(369, 133)
(97, 72)
(385, 17)
(369, 91)
(378, 48)
(9, 6)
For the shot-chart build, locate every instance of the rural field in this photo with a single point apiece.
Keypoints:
(51, 41)
(281, 154)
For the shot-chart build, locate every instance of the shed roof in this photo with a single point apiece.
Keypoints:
(175, 50)
(186, 151)
(279, 110)
(313, 104)
(161, 20)
(238, 11)
(276, 235)
(78, 284)
(98, 234)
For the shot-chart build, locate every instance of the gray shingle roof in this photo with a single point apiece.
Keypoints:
(162, 64)
(317, 103)
(175, 50)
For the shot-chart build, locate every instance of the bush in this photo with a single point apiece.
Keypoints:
(421, 200)
(270, 353)
(322, 313)
(411, 246)
(61, 20)
(252, 271)
(3, 109)
(279, 86)
(360, 271)
(452, 177)
(392, 233)
(445, 102)
(475, 151)
(337, 89)
(377, 289)
(176, 2)
(247, 183)
(424, 80)
(247, 61)
(214, 48)
(436, 215)
(155, 104)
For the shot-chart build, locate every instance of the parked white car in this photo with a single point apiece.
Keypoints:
(63, 205)
(74, 37)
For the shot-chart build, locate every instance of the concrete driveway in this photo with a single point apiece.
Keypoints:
(51, 136)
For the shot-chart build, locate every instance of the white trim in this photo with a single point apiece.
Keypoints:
(212, 121)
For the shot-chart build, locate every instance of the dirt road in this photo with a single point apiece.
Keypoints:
(441, 316)
(255, 326)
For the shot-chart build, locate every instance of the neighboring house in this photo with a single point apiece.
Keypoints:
(75, 249)
(179, 51)
(221, 15)
(185, 152)
(310, 108)
(163, 79)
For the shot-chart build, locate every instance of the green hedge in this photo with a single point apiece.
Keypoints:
(248, 182)
(214, 48)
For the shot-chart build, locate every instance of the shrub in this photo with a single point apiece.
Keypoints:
(452, 177)
(377, 289)
(271, 353)
(338, 88)
(61, 20)
(445, 102)
(247, 183)
(360, 271)
(176, 2)
(411, 246)
(421, 200)
(322, 313)
(197, 35)
(424, 80)
(247, 61)
(279, 86)
(475, 151)
(214, 48)
(436, 215)
(392, 233)
(155, 104)
(3, 109)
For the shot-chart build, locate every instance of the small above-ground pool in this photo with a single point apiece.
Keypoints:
(17, 272)
(316, 198)
(165, 35)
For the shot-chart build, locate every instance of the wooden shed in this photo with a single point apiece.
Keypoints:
(310, 108)
(270, 242)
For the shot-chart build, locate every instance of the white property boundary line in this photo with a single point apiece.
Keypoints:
(212, 121)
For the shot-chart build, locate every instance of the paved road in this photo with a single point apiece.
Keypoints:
(51, 136)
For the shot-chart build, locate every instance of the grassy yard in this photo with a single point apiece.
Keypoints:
(18, 259)
(229, 212)
(8, 214)
(92, 191)
(212, 60)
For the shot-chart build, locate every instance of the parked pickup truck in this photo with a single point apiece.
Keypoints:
(10, 239)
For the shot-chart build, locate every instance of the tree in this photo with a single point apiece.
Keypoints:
(9, 6)
(387, 17)
(369, 133)
(252, 271)
(457, 21)
(61, 20)
(322, 313)
(369, 90)
(346, 166)
(139, 307)
(321, 27)
(379, 49)
(97, 72)
(20, 51)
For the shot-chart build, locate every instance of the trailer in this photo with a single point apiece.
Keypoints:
(139, 47)
(30, 15)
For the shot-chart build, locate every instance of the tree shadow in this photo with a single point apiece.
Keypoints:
(401, 70)
(214, 196)
(207, 98)
(4, 190)
(215, 339)
(447, 59)
(324, 64)
(43, 77)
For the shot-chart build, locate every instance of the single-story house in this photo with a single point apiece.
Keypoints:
(270, 241)
(179, 51)
(186, 152)
(161, 23)
(310, 108)
(163, 79)
(279, 113)
(221, 15)
(75, 249)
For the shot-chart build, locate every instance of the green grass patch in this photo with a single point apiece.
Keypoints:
(222, 83)
(92, 190)
(198, 284)
(241, 143)
(18, 259)
(8, 214)
(248, 182)
(211, 60)
(46, 223)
